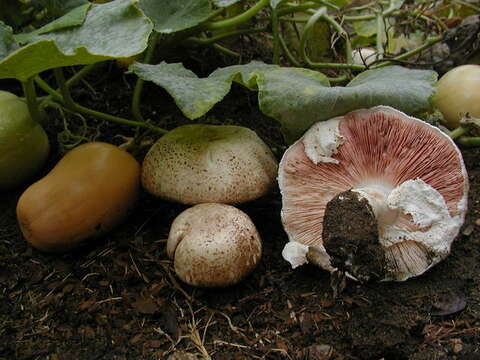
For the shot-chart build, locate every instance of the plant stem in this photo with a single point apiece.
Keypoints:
(322, 14)
(276, 37)
(215, 13)
(459, 131)
(118, 120)
(48, 89)
(225, 51)
(84, 110)
(32, 101)
(380, 36)
(293, 9)
(80, 74)
(466, 4)
(328, 4)
(428, 42)
(469, 141)
(386, 13)
(338, 79)
(137, 91)
(287, 52)
(64, 90)
(239, 19)
(213, 39)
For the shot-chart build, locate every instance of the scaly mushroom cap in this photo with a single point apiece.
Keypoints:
(213, 245)
(411, 174)
(195, 164)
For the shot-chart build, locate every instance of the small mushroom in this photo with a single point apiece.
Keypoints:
(364, 56)
(195, 164)
(375, 193)
(213, 245)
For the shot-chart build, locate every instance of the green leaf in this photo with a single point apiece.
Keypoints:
(111, 30)
(245, 75)
(294, 96)
(170, 16)
(196, 96)
(7, 43)
(75, 17)
(192, 95)
(365, 28)
(298, 98)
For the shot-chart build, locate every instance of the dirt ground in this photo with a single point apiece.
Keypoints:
(118, 297)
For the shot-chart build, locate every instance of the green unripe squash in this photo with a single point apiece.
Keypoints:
(23, 142)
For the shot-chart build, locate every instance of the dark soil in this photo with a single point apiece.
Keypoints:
(350, 236)
(118, 297)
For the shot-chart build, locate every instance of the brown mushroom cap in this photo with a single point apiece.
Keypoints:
(195, 164)
(213, 245)
(411, 173)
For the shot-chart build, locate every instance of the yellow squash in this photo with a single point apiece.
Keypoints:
(86, 194)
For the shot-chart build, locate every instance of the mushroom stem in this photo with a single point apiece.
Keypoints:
(350, 236)
(376, 195)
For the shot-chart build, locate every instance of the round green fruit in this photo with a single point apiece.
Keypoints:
(23, 142)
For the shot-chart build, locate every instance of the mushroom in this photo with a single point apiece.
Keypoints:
(364, 56)
(375, 194)
(195, 164)
(213, 245)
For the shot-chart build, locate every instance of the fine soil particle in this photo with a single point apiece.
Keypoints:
(350, 236)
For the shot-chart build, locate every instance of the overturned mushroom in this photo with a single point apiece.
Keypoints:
(213, 245)
(375, 193)
(195, 164)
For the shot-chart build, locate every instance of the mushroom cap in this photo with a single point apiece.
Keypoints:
(213, 245)
(195, 164)
(411, 173)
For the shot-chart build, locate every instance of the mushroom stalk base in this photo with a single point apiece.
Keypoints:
(350, 236)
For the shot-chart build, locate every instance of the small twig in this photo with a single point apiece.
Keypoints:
(109, 300)
(144, 278)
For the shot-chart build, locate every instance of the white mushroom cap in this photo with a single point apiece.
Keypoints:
(195, 164)
(364, 56)
(213, 245)
(411, 173)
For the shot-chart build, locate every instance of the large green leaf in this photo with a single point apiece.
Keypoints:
(245, 75)
(111, 30)
(298, 98)
(170, 16)
(192, 95)
(75, 17)
(196, 96)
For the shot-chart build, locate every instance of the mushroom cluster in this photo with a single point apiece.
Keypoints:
(211, 244)
(375, 194)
